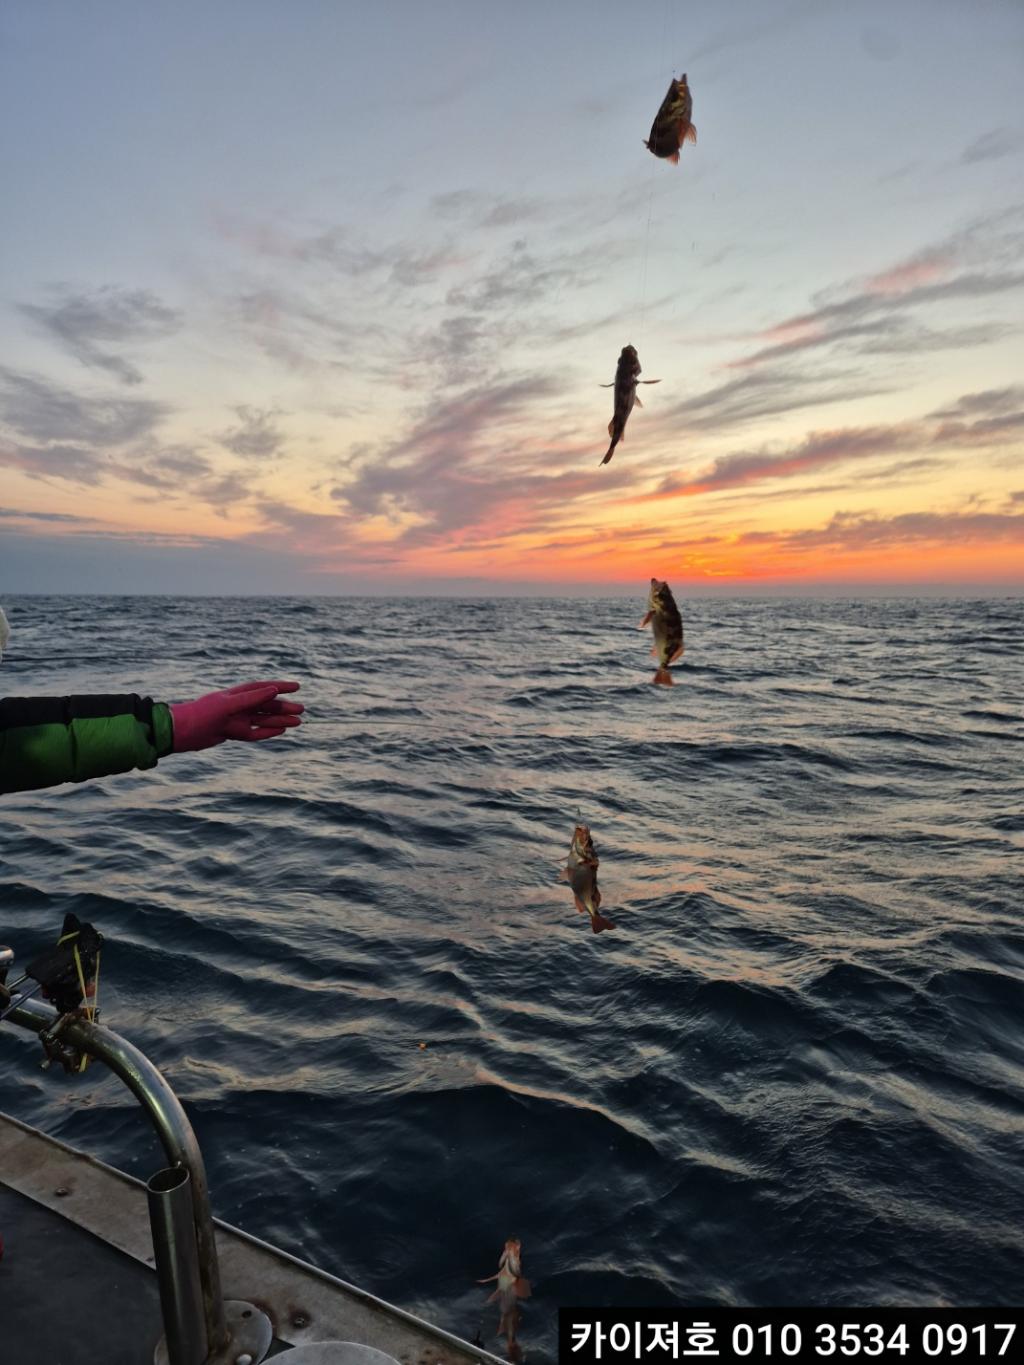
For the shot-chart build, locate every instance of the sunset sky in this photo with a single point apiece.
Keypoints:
(315, 296)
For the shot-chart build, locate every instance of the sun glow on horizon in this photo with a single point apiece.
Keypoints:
(376, 353)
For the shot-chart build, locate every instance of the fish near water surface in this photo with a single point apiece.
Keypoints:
(511, 1288)
(581, 874)
(672, 124)
(627, 377)
(664, 619)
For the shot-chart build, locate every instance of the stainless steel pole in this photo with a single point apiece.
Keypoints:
(173, 1129)
(177, 1265)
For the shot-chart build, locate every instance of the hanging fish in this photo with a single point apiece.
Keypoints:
(672, 126)
(664, 619)
(511, 1287)
(580, 872)
(627, 376)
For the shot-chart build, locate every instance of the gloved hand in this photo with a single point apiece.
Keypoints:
(249, 711)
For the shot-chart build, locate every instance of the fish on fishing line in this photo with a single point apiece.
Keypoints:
(580, 872)
(511, 1288)
(664, 619)
(627, 377)
(672, 124)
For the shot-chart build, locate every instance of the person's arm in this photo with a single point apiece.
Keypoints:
(48, 740)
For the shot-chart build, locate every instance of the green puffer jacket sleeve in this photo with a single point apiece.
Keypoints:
(48, 740)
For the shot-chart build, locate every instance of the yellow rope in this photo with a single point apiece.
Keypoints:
(90, 1010)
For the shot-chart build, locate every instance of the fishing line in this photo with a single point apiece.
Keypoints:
(650, 199)
(647, 248)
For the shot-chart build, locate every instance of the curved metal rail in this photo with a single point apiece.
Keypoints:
(172, 1126)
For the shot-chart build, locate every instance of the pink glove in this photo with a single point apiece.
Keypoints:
(248, 711)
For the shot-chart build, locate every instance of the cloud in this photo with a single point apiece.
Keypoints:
(459, 203)
(460, 471)
(77, 322)
(988, 402)
(62, 435)
(16, 514)
(766, 393)
(335, 246)
(520, 278)
(458, 338)
(899, 473)
(225, 491)
(877, 319)
(315, 533)
(179, 473)
(324, 542)
(410, 269)
(446, 435)
(986, 431)
(980, 262)
(904, 339)
(515, 300)
(73, 463)
(342, 252)
(820, 449)
(862, 530)
(182, 462)
(994, 419)
(923, 268)
(506, 294)
(891, 335)
(168, 469)
(42, 412)
(482, 210)
(991, 145)
(256, 434)
(115, 443)
(302, 335)
(983, 418)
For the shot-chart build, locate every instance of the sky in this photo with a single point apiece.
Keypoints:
(315, 296)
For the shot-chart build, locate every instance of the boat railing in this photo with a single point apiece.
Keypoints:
(197, 1329)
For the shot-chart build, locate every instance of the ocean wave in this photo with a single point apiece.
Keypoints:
(352, 956)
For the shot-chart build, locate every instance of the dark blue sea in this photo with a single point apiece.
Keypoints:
(794, 1074)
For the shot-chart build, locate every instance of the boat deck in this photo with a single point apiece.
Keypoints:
(77, 1284)
(67, 1296)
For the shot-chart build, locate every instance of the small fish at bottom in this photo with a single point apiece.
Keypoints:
(511, 1288)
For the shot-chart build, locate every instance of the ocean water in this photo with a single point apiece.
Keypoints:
(794, 1073)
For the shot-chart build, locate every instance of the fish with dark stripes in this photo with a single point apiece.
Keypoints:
(627, 377)
(664, 619)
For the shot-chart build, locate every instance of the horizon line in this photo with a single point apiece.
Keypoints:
(825, 591)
